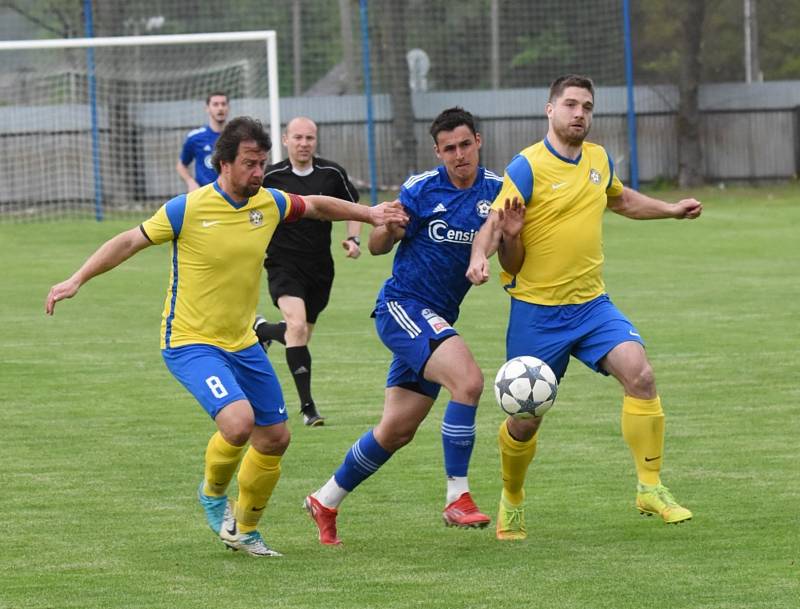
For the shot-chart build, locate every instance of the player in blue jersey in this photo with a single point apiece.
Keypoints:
(414, 317)
(218, 235)
(198, 147)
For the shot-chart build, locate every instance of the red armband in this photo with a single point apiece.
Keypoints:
(298, 208)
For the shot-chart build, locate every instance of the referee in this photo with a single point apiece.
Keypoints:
(298, 262)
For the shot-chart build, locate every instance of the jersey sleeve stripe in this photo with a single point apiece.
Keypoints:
(144, 232)
(610, 170)
(418, 177)
(176, 209)
(280, 201)
(173, 298)
(520, 172)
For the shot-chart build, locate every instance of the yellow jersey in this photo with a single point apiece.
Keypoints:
(217, 257)
(562, 234)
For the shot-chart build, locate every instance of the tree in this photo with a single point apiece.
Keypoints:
(690, 153)
(348, 46)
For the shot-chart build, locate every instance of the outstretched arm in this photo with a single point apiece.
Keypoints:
(112, 253)
(635, 205)
(321, 207)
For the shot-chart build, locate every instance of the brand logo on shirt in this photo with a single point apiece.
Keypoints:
(440, 208)
(558, 185)
(483, 208)
(256, 217)
(207, 223)
(207, 148)
(594, 176)
(440, 231)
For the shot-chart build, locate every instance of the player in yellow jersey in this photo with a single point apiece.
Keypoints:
(559, 307)
(219, 233)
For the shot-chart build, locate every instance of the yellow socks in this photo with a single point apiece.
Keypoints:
(258, 476)
(221, 461)
(643, 431)
(515, 456)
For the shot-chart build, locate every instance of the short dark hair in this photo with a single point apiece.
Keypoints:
(450, 119)
(569, 80)
(241, 129)
(216, 94)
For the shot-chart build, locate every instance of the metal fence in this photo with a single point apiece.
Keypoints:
(493, 57)
(746, 135)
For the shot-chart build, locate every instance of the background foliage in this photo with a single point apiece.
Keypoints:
(536, 38)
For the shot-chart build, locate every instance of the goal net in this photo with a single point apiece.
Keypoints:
(94, 127)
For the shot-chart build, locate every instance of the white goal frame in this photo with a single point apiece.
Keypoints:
(269, 37)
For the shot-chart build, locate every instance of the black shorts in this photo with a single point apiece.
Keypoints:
(309, 278)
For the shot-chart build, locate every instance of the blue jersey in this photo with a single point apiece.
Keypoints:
(431, 261)
(198, 147)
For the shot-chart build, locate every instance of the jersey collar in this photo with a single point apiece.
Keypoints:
(478, 177)
(234, 204)
(555, 153)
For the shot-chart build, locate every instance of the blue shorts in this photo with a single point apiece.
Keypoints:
(411, 331)
(216, 378)
(587, 331)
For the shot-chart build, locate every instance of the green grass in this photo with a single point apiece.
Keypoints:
(101, 449)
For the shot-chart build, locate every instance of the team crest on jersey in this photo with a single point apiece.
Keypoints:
(483, 208)
(436, 321)
(594, 176)
(256, 217)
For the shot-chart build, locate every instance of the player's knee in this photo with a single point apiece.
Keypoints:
(394, 438)
(297, 331)
(399, 440)
(523, 430)
(235, 422)
(643, 382)
(237, 432)
(470, 388)
(272, 440)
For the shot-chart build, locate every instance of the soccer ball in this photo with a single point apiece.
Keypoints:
(525, 387)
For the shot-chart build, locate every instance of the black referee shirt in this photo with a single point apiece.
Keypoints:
(306, 235)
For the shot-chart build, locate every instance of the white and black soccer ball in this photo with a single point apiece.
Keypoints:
(525, 386)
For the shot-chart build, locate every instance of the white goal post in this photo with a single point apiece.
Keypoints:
(64, 150)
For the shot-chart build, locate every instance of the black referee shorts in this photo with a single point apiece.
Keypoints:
(309, 278)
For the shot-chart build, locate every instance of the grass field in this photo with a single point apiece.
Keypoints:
(102, 450)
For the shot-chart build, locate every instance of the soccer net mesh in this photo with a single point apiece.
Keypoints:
(493, 57)
(97, 131)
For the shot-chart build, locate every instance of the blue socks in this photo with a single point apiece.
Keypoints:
(362, 460)
(458, 438)
(366, 456)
